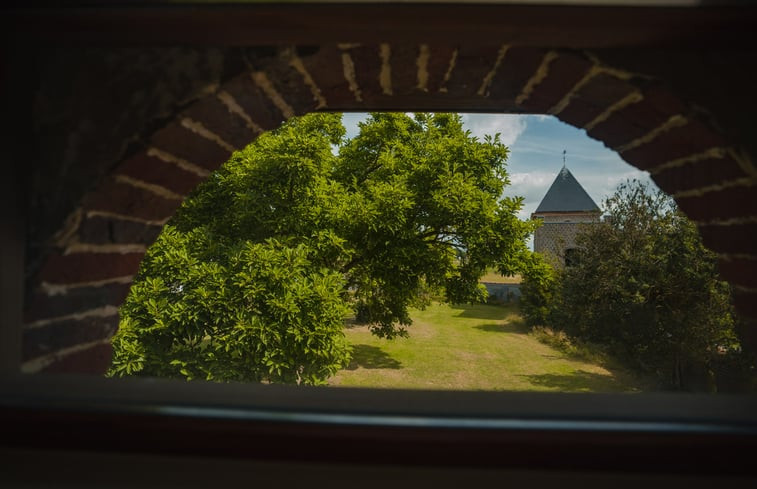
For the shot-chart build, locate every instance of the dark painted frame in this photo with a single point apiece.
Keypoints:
(662, 434)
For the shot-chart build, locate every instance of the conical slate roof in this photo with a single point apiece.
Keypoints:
(566, 195)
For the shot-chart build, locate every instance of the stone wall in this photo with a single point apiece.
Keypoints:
(558, 233)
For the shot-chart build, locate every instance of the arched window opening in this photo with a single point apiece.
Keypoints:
(116, 221)
(571, 257)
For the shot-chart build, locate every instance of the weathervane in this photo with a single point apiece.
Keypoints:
(564, 152)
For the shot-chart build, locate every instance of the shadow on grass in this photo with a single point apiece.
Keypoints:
(351, 322)
(483, 311)
(511, 327)
(368, 356)
(578, 381)
(560, 357)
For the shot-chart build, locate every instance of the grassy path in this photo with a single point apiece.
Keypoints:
(477, 347)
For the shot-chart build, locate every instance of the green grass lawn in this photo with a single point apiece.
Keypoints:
(479, 347)
(493, 277)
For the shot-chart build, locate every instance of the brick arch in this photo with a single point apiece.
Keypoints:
(72, 310)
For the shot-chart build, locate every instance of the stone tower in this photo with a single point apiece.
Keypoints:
(564, 210)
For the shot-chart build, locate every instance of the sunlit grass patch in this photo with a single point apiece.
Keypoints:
(493, 277)
(472, 347)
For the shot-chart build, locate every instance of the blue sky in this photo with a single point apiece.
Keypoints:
(536, 144)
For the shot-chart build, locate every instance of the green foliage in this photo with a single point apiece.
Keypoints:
(645, 285)
(539, 289)
(264, 313)
(255, 274)
(423, 211)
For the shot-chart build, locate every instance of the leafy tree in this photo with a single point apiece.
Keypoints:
(255, 274)
(644, 284)
(262, 313)
(539, 289)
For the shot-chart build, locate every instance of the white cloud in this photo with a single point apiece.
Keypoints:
(531, 186)
(351, 120)
(600, 186)
(509, 126)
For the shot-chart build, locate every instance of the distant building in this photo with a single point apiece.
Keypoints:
(564, 210)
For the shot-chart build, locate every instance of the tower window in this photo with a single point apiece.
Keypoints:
(571, 257)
